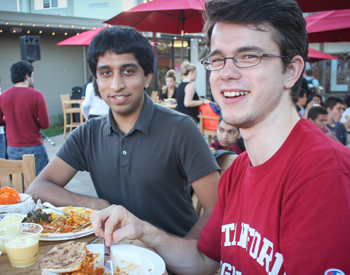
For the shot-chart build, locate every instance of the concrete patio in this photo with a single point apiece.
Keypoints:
(81, 183)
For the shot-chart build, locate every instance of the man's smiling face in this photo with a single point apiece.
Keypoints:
(121, 82)
(247, 95)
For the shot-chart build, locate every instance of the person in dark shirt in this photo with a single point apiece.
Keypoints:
(186, 95)
(335, 108)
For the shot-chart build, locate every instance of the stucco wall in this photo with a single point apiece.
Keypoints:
(60, 68)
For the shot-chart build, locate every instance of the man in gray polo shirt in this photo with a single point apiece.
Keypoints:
(141, 155)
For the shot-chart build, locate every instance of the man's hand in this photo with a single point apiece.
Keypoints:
(115, 223)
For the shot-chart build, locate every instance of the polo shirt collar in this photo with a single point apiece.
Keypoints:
(143, 122)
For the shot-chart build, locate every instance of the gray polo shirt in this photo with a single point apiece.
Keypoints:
(147, 170)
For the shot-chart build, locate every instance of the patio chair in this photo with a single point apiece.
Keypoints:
(13, 172)
(69, 110)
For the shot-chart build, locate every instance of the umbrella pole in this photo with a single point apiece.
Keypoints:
(182, 36)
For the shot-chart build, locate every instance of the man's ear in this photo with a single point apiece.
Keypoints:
(148, 79)
(294, 71)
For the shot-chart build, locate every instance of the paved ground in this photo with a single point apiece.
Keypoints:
(81, 183)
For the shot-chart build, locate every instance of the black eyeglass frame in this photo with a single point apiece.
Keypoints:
(261, 55)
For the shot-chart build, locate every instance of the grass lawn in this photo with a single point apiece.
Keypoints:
(54, 130)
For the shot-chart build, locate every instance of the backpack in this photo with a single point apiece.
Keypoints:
(311, 86)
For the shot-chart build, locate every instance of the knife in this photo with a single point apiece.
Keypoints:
(108, 259)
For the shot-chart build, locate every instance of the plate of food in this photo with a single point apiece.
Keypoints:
(58, 226)
(169, 100)
(73, 257)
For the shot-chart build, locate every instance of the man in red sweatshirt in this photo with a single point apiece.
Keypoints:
(23, 111)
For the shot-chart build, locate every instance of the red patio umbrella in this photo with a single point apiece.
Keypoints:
(315, 55)
(170, 16)
(323, 5)
(329, 26)
(83, 39)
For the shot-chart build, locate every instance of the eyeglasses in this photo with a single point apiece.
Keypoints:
(241, 60)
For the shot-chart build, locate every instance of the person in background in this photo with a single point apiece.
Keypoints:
(283, 205)
(319, 116)
(2, 139)
(85, 85)
(302, 102)
(186, 95)
(335, 108)
(23, 110)
(141, 155)
(169, 89)
(316, 100)
(93, 104)
(227, 138)
(346, 114)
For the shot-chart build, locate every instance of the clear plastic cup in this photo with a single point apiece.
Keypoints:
(22, 246)
(6, 222)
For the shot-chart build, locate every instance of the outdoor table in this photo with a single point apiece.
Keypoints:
(44, 247)
(170, 106)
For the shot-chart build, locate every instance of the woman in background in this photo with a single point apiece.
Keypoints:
(93, 105)
(169, 89)
(186, 95)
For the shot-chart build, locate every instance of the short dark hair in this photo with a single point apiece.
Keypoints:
(309, 72)
(314, 112)
(302, 93)
(120, 40)
(320, 97)
(331, 101)
(347, 101)
(284, 15)
(96, 90)
(19, 70)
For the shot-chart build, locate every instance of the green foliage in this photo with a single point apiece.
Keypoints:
(56, 128)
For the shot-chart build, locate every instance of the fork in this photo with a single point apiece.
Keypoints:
(107, 259)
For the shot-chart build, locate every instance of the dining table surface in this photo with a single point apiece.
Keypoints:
(46, 246)
(167, 105)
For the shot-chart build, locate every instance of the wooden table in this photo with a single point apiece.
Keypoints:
(44, 247)
(170, 106)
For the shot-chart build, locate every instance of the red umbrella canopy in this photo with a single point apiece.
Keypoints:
(315, 55)
(83, 39)
(329, 26)
(170, 16)
(323, 5)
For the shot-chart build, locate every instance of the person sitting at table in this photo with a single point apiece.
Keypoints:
(169, 89)
(227, 138)
(93, 104)
(141, 155)
(319, 116)
(186, 95)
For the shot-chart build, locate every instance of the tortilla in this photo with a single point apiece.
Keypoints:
(66, 257)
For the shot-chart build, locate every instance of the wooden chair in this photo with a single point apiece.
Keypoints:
(205, 132)
(224, 162)
(11, 172)
(69, 110)
(154, 96)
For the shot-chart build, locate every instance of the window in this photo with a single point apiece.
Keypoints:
(98, 5)
(49, 4)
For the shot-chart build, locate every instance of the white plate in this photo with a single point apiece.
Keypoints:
(131, 259)
(65, 236)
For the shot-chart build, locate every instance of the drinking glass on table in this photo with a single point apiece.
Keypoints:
(7, 220)
(21, 243)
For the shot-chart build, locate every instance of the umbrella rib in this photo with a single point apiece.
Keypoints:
(338, 38)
